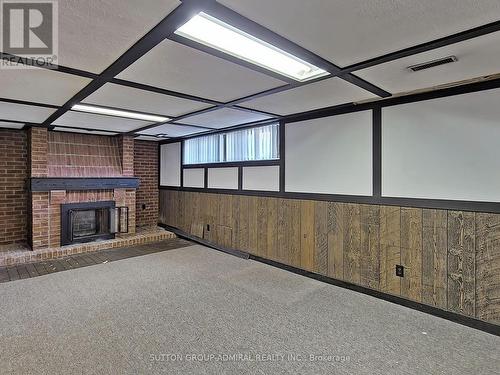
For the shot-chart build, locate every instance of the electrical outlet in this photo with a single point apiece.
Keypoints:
(400, 270)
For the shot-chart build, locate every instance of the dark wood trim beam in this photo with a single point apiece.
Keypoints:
(159, 90)
(440, 204)
(175, 121)
(59, 68)
(77, 183)
(377, 152)
(442, 42)
(248, 163)
(281, 146)
(24, 102)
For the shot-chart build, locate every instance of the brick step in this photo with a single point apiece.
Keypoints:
(27, 256)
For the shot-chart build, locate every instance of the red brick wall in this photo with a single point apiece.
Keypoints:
(37, 143)
(38, 215)
(13, 193)
(82, 155)
(127, 155)
(146, 168)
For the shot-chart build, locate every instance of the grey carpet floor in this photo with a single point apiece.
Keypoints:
(198, 311)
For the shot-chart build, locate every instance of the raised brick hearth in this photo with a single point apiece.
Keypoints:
(23, 255)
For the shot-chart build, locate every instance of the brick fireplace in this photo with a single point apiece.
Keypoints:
(71, 168)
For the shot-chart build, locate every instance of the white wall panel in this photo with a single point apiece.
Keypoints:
(445, 148)
(170, 164)
(194, 177)
(331, 155)
(261, 178)
(223, 178)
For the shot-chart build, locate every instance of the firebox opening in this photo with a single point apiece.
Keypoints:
(89, 221)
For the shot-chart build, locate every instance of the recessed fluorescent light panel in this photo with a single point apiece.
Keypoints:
(118, 113)
(214, 33)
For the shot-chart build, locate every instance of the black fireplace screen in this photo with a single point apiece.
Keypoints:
(92, 222)
(84, 222)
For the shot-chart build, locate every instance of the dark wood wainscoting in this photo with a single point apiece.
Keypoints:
(451, 258)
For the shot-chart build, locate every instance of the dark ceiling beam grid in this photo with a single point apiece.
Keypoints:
(174, 119)
(14, 121)
(438, 43)
(274, 90)
(167, 26)
(159, 90)
(27, 125)
(353, 107)
(237, 20)
(59, 68)
(122, 82)
(24, 102)
(192, 126)
(441, 42)
(251, 110)
(455, 38)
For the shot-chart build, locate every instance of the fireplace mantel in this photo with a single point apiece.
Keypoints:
(82, 183)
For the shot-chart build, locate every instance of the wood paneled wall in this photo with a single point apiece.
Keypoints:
(451, 258)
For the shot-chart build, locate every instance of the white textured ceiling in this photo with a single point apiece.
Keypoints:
(100, 122)
(222, 118)
(82, 131)
(329, 92)
(176, 67)
(172, 130)
(476, 57)
(39, 85)
(21, 112)
(11, 125)
(350, 31)
(128, 98)
(93, 34)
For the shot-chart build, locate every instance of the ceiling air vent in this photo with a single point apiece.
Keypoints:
(432, 64)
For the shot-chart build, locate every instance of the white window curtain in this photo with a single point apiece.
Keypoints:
(252, 144)
(241, 145)
(207, 149)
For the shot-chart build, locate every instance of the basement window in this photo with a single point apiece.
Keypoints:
(257, 143)
(214, 33)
